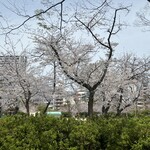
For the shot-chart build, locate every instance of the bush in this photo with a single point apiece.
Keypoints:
(66, 114)
(20, 132)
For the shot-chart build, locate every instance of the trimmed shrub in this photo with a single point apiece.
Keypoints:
(20, 132)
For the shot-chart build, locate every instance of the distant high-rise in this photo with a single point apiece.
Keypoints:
(12, 62)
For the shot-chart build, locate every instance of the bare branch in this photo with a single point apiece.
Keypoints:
(38, 14)
(95, 37)
(111, 31)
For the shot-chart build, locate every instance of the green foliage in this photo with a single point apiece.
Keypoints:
(144, 113)
(66, 114)
(20, 132)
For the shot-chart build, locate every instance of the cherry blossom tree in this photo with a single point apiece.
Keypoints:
(124, 83)
(79, 57)
(78, 38)
(18, 81)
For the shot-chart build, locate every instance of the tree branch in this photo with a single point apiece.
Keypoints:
(79, 81)
(38, 14)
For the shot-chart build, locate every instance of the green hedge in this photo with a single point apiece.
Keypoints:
(21, 132)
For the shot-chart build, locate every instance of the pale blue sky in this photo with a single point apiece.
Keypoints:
(131, 39)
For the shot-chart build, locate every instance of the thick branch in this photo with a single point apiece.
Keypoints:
(79, 81)
(102, 77)
(111, 32)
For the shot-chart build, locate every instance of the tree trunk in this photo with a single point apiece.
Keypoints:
(105, 109)
(27, 102)
(47, 105)
(90, 103)
(119, 111)
(16, 110)
(27, 108)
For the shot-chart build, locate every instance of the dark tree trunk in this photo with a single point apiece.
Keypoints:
(27, 102)
(16, 110)
(27, 107)
(47, 105)
(91, 103)
(119, 112)
(105, 109)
